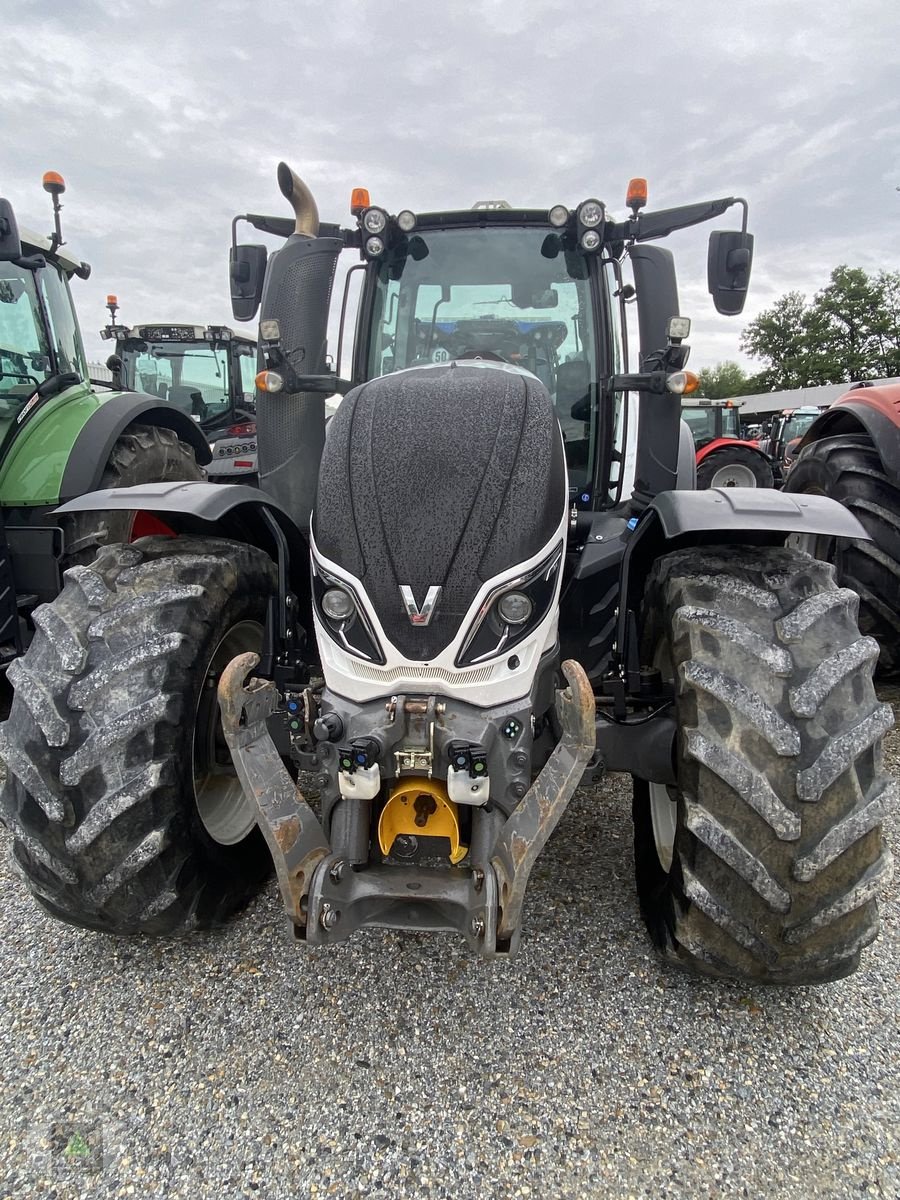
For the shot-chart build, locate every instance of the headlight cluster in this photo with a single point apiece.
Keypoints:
(375, 225)
(511, 612)
(342, 615)
(590, 218)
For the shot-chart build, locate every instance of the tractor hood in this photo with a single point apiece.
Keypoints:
(440, 476)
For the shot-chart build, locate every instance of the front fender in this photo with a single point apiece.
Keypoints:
(234, 511)
(753, 516)
(718, 443)
(875, 411)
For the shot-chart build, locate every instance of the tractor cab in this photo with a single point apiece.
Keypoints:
(711, 419)
(206, 372)
(788, 427)
(460, 288)
(41, 352)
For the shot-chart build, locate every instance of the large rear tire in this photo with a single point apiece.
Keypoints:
(849, 469)
(143, 454)
(735, 466)
(120, 795)
(765, 862)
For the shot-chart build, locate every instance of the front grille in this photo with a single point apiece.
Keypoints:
(437, 674)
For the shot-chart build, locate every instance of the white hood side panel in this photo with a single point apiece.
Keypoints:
(484, 684)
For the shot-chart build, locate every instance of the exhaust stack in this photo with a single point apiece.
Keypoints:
(297, 292)
(301, 200)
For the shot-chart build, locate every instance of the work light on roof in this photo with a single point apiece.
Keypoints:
(590, 239)
(375, 220)
(406, 220)
(374, 247)
(559, 215)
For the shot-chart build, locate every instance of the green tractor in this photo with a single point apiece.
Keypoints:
(487, 583)
(61, 436)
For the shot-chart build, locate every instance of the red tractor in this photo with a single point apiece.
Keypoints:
(782, 444)
(724, 458)
(852, 453)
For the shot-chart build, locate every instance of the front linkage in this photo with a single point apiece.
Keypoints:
(327, 900)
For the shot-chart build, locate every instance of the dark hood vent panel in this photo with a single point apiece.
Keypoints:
(439, 476)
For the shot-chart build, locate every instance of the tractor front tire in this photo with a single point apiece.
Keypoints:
(143, 454)
(735, 466)
(125, 811)
(765, 861)
(849, 469)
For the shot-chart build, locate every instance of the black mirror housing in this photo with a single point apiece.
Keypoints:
(10, 242)
(728, 269)
(247, 271)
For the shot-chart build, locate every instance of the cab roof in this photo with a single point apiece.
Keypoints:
(39, 243)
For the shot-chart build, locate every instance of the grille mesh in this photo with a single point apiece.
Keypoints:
(438, 674)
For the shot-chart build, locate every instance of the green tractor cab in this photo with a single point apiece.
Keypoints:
(206, 372)
(60, 436)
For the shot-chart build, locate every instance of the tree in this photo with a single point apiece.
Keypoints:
(724, 380)
(779, 335)
(850, 331)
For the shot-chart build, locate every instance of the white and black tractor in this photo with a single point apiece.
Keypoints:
(387, 670)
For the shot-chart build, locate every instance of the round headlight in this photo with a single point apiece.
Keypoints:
(374, 247)
(590, 239)
(559, 214)
(375, 220)
(514, 608)
(590, 213)
(406, 220)
(338, 605)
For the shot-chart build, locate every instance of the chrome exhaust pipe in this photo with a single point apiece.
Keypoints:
(301, 200)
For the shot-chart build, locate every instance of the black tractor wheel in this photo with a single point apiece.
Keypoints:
(126, 813)
(143, 454)
(735, 466)
(849, 469)
(764, 862)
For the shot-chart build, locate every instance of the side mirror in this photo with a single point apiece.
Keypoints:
(728, 269)
(114, 365)
(10, 243)
(247, 269)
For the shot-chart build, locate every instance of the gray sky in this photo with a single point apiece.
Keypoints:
(168, 118)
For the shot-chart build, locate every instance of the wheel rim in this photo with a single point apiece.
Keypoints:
(226, 814)
(664, 799)
(733, 475)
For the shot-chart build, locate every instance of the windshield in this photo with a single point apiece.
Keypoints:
(25, 357)
(712, 422)
(797, 424)
(191, 376)
(492, 291)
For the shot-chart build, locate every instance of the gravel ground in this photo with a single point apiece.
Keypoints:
(241, 1065)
